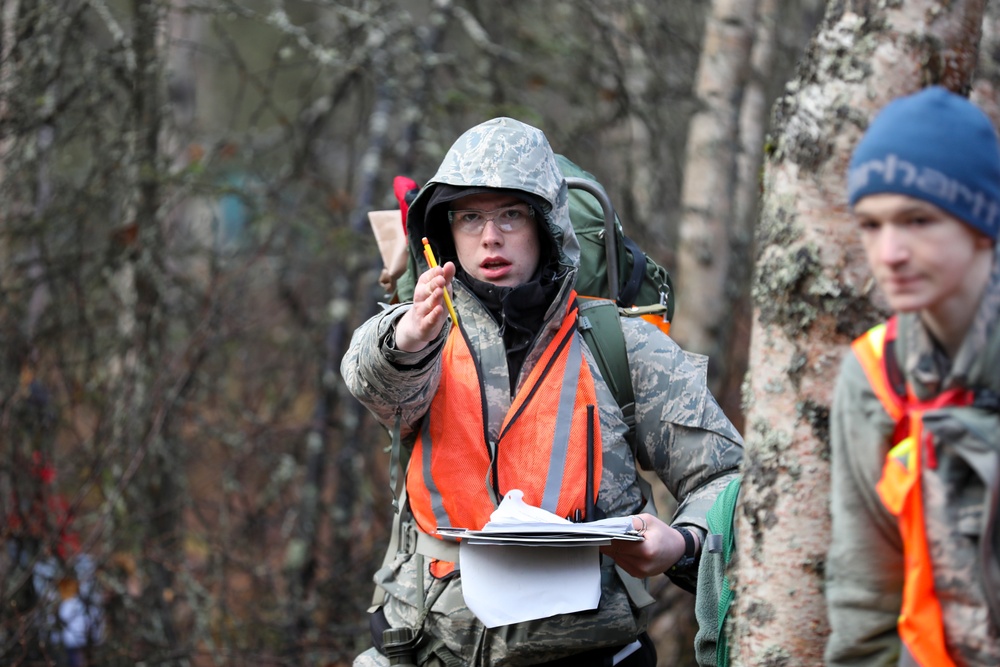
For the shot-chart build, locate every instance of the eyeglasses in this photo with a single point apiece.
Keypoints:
(506, 218)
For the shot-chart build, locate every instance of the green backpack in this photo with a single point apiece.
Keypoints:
(640, 281)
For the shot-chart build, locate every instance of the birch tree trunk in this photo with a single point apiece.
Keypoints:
(149, 479)
(722, 189)
(8, 31)
(710, 178)
(811, 298)
(8, 14)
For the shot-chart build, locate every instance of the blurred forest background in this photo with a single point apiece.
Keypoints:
(185, 251)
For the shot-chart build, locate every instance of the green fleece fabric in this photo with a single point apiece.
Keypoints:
(714, 596)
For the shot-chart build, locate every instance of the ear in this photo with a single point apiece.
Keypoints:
(984, 242)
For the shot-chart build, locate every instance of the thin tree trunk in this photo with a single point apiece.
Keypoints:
(8, 32)
(140, 428)
(711, 177)
(8, 17)
(811, 299)
(753, 124)
(986, 88)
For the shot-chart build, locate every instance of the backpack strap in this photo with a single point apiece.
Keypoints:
(600, 325)
(630, 290)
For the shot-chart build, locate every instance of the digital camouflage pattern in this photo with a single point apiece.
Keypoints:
(865, 563)
(682, 433)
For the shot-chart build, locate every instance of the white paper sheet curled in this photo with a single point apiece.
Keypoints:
(528, 563)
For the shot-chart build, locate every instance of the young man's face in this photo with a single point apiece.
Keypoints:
(492, 255)
(920, 256)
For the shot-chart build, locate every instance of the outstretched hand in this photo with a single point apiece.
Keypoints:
(662, 547)
(422, 323)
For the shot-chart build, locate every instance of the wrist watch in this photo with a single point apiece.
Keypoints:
(690, 557)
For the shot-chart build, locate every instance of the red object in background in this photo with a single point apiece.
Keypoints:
(44, 512)
(42, 469)
(402, 187)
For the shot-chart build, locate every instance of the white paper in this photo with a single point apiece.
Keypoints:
(528, 563)
(513, 510)
(515, 522)
(510, 584)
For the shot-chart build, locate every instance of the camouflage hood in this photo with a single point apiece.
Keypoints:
(506, 154)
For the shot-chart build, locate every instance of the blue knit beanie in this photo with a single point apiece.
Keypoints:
(935, 146)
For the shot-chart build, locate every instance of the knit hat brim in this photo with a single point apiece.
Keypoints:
(935, 146)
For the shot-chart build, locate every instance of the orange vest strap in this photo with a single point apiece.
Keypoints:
(870, 351)
(921, 624)
(455, 471)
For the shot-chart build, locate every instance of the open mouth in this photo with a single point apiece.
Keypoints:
(495, 264)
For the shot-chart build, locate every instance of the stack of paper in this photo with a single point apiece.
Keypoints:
(503, 583)
(515, 523)
(594, 533)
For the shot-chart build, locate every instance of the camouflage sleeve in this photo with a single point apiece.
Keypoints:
(681, 431)
(387, 380)
(864, 567)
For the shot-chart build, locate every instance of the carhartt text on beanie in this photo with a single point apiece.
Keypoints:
(935, 146)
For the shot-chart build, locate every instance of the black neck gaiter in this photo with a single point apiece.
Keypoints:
(519, 311)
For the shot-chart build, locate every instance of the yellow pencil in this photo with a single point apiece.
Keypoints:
(429, 255)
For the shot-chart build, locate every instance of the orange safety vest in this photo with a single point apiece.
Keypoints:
(541, 450)
(921, 628)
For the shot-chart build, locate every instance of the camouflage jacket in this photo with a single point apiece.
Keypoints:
(682, 433)
(865, 562)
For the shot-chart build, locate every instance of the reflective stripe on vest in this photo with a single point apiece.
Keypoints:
(541, 450)
(869, 350)
(921, 626)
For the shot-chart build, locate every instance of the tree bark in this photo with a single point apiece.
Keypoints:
(141, 409)
(811, 298)
(986, 88)
(753, 124)
(8, 85)
(710, 180)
